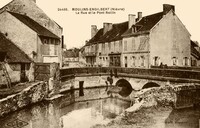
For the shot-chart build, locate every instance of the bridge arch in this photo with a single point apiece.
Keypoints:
(150, 85)
(126, 87)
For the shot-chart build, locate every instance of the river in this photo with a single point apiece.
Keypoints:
(60, 115)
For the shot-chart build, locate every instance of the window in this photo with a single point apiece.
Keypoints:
(103, 48)
(133, 44)
(156, 61)
(185, 61)
(109, 46)
(117, 63)
(125, 61)
(174, 61)
(142, 60)
(193, 62)
(120, 45)
(52, 49)
(50, 41)
(56, 50)
(125, 45)
(111, 61)
(45, 41)
(45, 47)
(133, 61)
(92, 49)
(96, 48)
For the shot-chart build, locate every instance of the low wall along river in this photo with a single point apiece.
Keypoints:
(83, 88)
(35, 93)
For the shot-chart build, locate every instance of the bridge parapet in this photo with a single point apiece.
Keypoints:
(170, 73)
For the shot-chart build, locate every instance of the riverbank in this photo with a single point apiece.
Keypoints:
(157, 117)
(155, 108)
(35, 92)
(154, 117)
(150, 109)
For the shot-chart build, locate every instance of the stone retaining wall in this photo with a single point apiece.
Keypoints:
(33, 94)
(182, 96)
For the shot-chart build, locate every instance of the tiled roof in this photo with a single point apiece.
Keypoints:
(96, 38)
(194, 44)
(121, 29)
(13, 53)
(114, 34)
(145, 24)
(40, 30)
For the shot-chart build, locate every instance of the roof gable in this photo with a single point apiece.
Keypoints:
(40, 30)
(30, 8)
(13, 53)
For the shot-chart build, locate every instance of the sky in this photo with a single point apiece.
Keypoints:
(77, 27)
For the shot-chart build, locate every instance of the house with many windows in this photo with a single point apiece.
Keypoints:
(37, 42)
(26, 25)
(105, 48)
(142, 42)
(71, 57)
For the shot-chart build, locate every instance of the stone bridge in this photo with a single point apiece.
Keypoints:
(128, 78)
(125, 81)
(137, 78)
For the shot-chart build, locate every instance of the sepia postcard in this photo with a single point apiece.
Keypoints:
(99, 64)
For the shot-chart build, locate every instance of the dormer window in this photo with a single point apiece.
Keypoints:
(134, 29)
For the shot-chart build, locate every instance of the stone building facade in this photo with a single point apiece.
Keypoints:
(36, 41)
(142, 42)
(25, 24)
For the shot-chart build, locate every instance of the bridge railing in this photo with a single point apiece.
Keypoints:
(175, 73)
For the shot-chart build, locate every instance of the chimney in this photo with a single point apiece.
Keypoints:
(131, 20)
(62, 39)
(93, 30)
(167, 8)
(139, 16)
(107, 27)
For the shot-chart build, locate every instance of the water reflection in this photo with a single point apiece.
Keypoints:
(183, 118)
(58, 115)
(93, 112)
